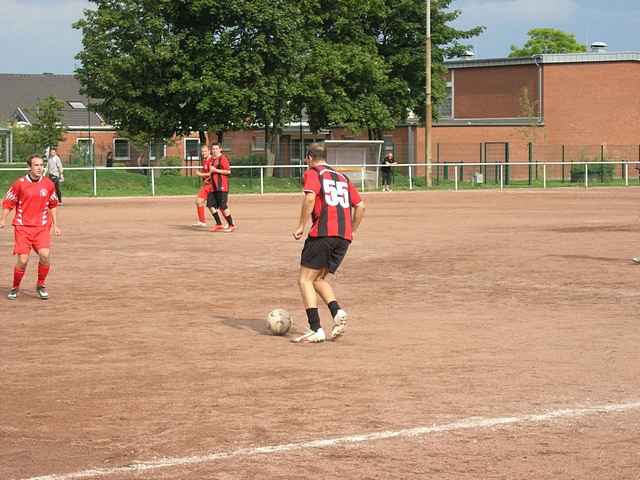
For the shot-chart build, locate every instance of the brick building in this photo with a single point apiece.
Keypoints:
(559, 102)
(563, 104)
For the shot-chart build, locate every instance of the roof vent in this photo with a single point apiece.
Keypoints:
(468, 55)
(599, 47)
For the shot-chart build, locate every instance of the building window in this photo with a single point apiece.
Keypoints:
(121, 149)
(157, 150)
(85, 150)
(191, 149)
(77, 105)
(445, 107)
(258, 142)
(389, 146)
(227, 143)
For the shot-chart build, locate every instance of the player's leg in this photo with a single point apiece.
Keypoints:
(226, 212)
(200, 201)
(212, 205)
(339, 248)
(21, 248)
(18, 273)
(314, 258)
(315, 333)
(44, 266)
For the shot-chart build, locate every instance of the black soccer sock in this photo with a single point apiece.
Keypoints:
(229, 219)
(216, 217)
(333, 308)
(314, 319)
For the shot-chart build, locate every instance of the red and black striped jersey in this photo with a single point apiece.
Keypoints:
(335, 196)
(220, 182)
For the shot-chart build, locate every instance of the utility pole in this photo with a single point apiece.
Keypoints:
(428, 113)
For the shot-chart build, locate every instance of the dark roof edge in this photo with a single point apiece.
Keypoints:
(588, 57)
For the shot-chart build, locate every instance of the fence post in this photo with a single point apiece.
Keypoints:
(456, 175)
(362, 173)
(626, 174)
(544, 175)
(410, 179)
(261, 181)
(95, 182)
(586, 175)
(530, 148)
(563, 163)
(501, 176)
(153, 183)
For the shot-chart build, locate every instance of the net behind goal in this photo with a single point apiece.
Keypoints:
(358, 159)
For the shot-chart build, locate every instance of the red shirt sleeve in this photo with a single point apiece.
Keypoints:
(11, 198)
(354, 195)
(224, 163)
(311, 182)
(53, 198)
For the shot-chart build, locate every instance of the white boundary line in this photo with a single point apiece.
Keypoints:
(465, 424)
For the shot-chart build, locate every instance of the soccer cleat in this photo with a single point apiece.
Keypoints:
(199, 224)
(339, 324)
(216, 228)
(636, 260)
(13, 294)
(311, 337)
(42, 292)
(229, 229)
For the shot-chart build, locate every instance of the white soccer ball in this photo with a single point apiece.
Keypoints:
(279, 321)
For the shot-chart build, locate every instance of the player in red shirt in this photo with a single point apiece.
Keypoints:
(201, 198)
(329, 198)
(34, 198)
(218, 198)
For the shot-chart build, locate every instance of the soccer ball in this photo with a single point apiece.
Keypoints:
(279, 321)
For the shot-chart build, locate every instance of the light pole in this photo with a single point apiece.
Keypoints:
(428, 113)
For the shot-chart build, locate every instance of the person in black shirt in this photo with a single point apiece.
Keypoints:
(387, 162)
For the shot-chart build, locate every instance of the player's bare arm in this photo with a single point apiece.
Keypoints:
(3, 219)
(305, 213)
(54, 221)
(358, 215)
(220, 171)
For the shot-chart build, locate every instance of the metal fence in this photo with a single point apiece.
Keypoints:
(175, 180)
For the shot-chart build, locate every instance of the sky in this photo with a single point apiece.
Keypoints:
(36, 35)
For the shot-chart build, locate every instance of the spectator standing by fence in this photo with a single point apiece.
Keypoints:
(387, 163)
(55, 171)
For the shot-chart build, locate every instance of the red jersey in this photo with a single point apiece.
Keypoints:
(335, 195)
(32, 201)
(220, 182)
(206, 168)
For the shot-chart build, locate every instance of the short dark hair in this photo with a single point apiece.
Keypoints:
(31, 157)
(317, 151)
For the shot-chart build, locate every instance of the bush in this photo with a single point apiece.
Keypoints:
(247, 161)
(603, 171)
(170, 162)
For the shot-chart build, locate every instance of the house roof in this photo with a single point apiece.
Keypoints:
(587, 57)
(19, 93)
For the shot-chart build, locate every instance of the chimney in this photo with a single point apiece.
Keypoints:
(599, 47)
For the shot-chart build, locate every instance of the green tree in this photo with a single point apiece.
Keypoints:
(46, 129)
(368, 67)
(547, 40)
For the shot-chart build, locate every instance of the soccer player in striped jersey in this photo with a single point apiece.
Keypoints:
(34, 199)
(218, 199)
(205, 174)
(329, 198)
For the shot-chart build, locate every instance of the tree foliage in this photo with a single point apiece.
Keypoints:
(547, 40)
(46, 129)
(165, 67)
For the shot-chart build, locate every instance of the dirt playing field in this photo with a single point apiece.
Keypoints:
(502, 326)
